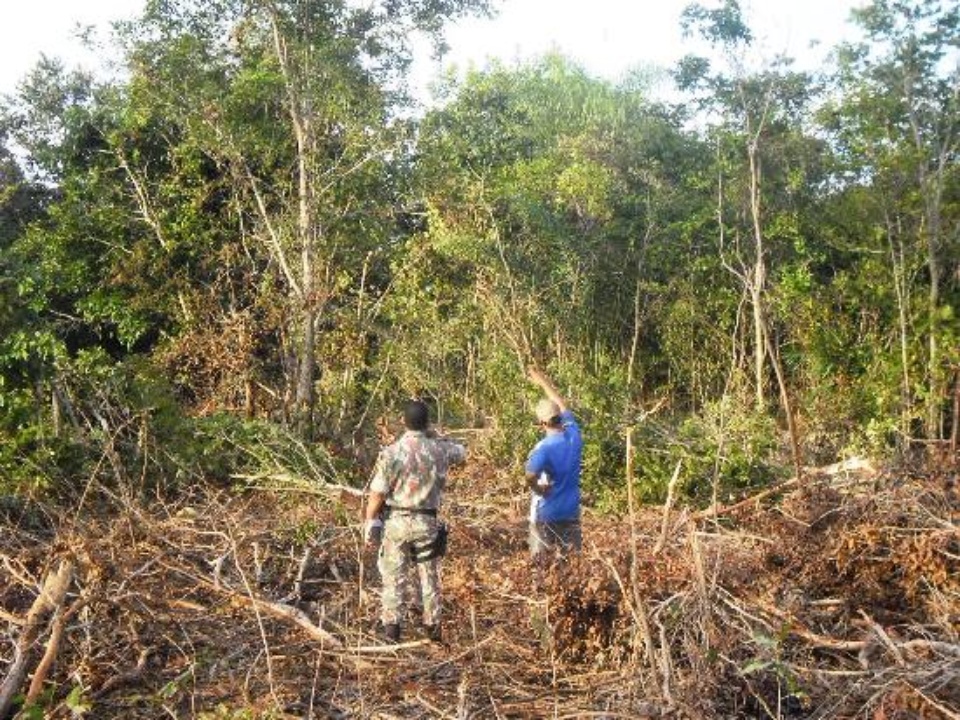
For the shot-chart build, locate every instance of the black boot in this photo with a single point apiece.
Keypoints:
(433, 632)
(391, 632)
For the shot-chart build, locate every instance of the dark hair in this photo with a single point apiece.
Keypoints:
(416, 415)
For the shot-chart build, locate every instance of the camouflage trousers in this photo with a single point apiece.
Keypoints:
(401, 532)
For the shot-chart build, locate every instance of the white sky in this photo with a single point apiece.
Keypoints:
(606, 36)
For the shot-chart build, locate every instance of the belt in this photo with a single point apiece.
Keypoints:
(390, 509)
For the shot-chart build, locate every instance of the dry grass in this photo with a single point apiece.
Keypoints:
(839, 602)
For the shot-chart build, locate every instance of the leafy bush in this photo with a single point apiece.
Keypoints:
(120, 422)
(732, 447)
(260, 452)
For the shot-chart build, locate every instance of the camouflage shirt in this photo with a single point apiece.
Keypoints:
(412, 472)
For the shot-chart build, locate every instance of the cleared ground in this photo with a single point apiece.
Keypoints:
(840, 599)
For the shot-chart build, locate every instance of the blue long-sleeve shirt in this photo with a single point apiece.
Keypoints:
(559, 455)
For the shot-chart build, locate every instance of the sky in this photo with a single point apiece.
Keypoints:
(607, 37)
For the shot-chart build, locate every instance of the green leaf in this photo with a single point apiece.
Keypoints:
(77, 701)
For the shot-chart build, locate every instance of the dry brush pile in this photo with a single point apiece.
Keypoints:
(840, 601)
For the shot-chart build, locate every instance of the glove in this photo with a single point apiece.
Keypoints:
(373, 531)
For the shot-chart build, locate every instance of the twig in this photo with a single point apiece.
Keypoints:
(448, 661)
(124, 678)
(951, 714)
(257, 604)
(389, 649)
(639, 611)
(644, 712)
(301, 573)
(671, 488)
(436, 712)
(21, 575)
(727, 599)
(11, 618)
(884, 638)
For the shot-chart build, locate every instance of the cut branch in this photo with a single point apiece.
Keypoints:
(51, 599)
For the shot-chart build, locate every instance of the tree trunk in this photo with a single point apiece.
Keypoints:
(787, 410)
(938, 150)
(306, 376)
(898, 266)
(759, 278)
(933, 423)
(931, 189)
(955, 425)
(300, 121)
(637, 312)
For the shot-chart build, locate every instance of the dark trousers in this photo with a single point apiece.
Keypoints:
(562, 536)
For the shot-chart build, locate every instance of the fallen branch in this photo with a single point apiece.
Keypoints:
(389, 649)
(275, 609)
(794, 627)
(285, 612)
(947, 712)
(854, 465)
(51, 599)
(752, 500)
(60, 618)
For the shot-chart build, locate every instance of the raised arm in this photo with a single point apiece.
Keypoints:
(542, 381)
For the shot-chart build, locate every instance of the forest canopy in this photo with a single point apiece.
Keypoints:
(236, 260)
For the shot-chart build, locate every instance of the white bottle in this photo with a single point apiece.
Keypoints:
(544, 483)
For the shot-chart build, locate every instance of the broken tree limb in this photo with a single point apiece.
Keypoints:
(752, 500)
(854, 465)
(57, 625)
(383, 649)
(50, 599)
(285, 612)
(297, 616)
(796, 628)
(671, 491)
(274, 609)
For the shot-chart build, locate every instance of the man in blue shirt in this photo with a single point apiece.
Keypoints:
(553, 474)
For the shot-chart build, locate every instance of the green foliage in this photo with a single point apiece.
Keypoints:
(233, 230)
(255, 452)
(729, 448)
(549, 193)
(895, 121)
(724, 24)
(77, 702)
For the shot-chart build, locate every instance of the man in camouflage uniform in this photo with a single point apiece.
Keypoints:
(406, 488)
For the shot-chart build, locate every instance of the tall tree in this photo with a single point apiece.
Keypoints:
(898, 125)
(295, 101)
(556, 209)
(756, 126)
